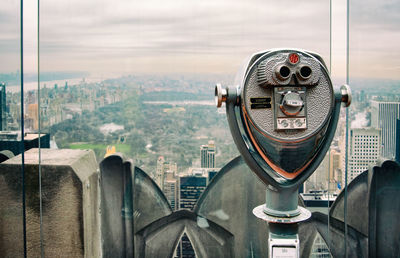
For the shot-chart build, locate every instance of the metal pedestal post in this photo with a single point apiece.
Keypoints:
(283, 215)
(283, 240)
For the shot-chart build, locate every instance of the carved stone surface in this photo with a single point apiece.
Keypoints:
(157, 230)
(5, 155)
(373, 207)
(69, 199)
(229, 201)
(116, 207)
(129, 202)
(137, 221)
(223, 222)
(149, 202)
(160, 238)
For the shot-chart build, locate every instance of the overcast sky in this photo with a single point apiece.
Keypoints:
(105, 37)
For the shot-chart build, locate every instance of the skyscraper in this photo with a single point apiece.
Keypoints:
(3, 116)
(364, 150)
(163, 167)
(397, 157)
(335, 169)
(207, 155)
(32, 117)
(190, 189)
(383, 117)
(160, 171)
(327, 175)
(319, 179)
(170, 189)
(211, 174)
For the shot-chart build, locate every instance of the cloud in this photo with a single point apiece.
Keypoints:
(154, 30)
(376, 14)
(9, 36)
(136, 36)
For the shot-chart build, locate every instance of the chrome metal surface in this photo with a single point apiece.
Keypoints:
(283, 139)
(346, 95)
(264, 123)
(220, 95)
(259, 213)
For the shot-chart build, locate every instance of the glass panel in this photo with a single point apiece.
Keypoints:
(12, 208)
(371, 121)
(336, 157)
(138, 78)
(373, 134)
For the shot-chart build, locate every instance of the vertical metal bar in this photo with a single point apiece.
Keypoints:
(330, 37)
(347, 123)
(22, 125)
(330, 73)
(40, 134)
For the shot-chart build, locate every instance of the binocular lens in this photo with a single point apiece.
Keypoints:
(305, 72)
(283, 72)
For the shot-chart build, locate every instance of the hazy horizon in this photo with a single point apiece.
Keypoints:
(108, 39)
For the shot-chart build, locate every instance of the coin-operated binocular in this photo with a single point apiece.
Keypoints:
(283, 113)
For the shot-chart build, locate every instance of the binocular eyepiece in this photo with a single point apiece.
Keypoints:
(283, 114)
